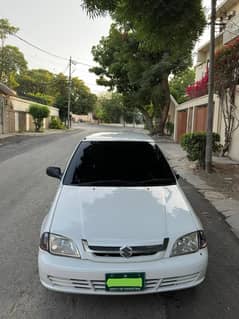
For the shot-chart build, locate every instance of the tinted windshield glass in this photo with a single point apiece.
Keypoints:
(118, 164)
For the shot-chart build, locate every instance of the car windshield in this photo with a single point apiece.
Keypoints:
(118, 164)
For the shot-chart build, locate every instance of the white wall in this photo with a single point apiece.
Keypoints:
(23, 105)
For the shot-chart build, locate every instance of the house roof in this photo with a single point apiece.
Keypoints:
(4, 89)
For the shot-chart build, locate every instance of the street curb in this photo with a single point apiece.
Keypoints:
(35, 134)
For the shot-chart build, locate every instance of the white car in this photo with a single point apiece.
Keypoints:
(120, 223)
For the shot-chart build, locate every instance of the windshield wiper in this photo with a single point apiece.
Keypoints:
(105, 182)
(121, 182)
(156, 182)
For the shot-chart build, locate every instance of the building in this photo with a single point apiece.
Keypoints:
(191, 116)
(14, 112)
(7, 120)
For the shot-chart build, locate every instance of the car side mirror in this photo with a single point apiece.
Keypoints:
(54, 172)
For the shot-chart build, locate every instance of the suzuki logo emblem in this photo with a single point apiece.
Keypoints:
(126, 251)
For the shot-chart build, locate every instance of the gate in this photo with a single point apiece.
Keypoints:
(181, 124)
(200, 122)
(22, 121)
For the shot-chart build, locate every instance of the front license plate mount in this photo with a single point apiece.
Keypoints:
(124, 282)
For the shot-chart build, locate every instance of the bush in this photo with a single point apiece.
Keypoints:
(56, 123)
(195, 146)
(38, 112)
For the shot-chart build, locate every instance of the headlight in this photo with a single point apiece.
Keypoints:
(59, 245)
(186, 244)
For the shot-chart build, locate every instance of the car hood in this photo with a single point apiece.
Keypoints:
(126, 215)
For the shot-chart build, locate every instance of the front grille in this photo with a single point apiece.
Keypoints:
(99, 285)
(95, 285)
(70, 283)
(115, 251)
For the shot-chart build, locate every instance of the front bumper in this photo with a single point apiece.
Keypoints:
(88, 277)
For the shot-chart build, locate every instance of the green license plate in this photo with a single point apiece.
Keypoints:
(124, 282)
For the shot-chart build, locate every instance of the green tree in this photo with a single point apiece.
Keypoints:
(110, 108)
(5, 29)
(35, 81)
(163, 28)
(121, 66)
(38, 112)
(161, 24)
(180, 82)
(12, 64)
(138, 73)
(82, 100)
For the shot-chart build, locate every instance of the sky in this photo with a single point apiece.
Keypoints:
(62, 28)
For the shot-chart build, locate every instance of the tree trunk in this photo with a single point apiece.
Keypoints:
(162, 110)
(227, 104)
(148, 120)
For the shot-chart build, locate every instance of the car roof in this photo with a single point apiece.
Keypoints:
(119, 136)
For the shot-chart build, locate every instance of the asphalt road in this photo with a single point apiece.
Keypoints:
(25, 196)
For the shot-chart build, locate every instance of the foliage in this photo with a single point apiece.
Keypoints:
(110, 108)
(38, 112)
(56, 123)
(139, 54)
(137, 73)
(195, 146)
(9, 56)
(169, 128)
(47, 88)
(226, 80)
(12, 63)
(36, 81)
(6, 29)
(39, 98)
(180, 82)
(82, 100)
(199, 88)
(160, 24)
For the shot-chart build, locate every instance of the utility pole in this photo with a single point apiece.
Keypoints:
(69, 96)
(208, 158)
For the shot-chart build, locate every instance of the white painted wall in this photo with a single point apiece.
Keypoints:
(16, 121)
(23, 105)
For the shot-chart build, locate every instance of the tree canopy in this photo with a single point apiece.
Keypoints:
(138, 73)
(82, 100)
(12, 63)
(160, 24)
(150, 40)
(6, 29)
(38, 112)
(11, 59)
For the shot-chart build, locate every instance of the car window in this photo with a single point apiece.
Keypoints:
(118, 164)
